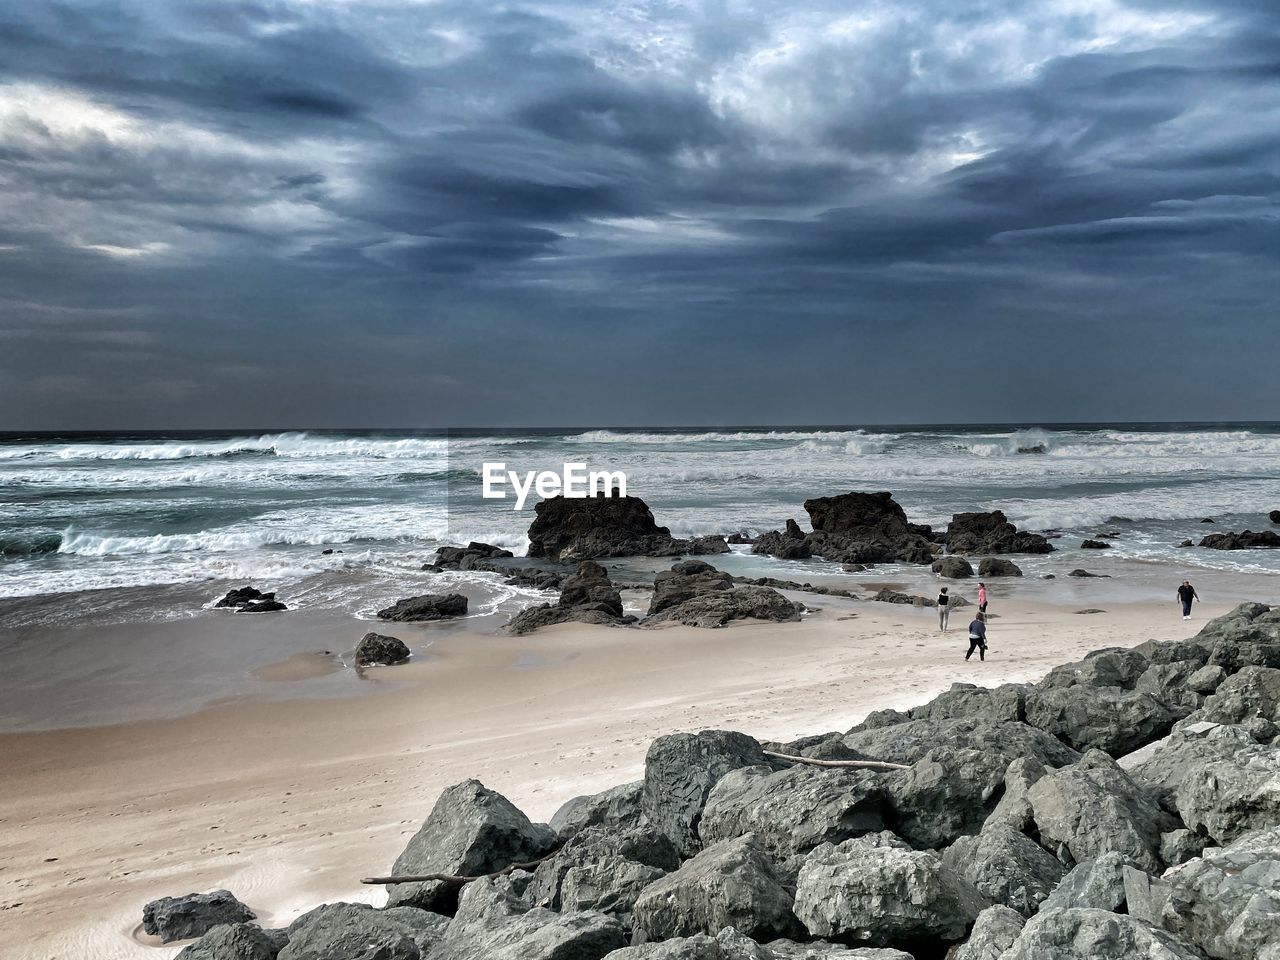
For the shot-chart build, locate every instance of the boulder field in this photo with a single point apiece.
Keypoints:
(1127, 805)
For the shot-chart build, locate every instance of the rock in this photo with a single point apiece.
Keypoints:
(1168, 683)
(1109, 667)
(266, 605)
(907, 741)
(726, 945)
(471, 557)
(822, 950)
(684, 581)
(236, 941)
(1096, 884)
(1104, 718)
(585, 528)
(374, 648)
(1005, 702)
(1085, 934)
(991, 533)
(1207, 520)
(1206, 679)
(1247, 623)
(1248, 540)
(1179, 846)
(1085, 573)
(1227, 797)
(784, 545)
(591, 586)
(716, 608)
(471, 830)
(1094, 545)
(865, 528)
(993, 933)
(791, 811)
(426, 607)
(546, 615)
(1186, 543)
(878, 891)
(602, 869)
(250, 600)
(729, 884)
(997, 567)
(739, 539)
(616, 808)
(357, 931)
(1144, 895)
(1093, 807)
(889, 595)
(1088, 610)
(1006, 867)
(194, 915)
(1274, 516)
(490, 926)
(1014, 809)
(954, 568)
(679, 772)
(1252, 692)
(1227, 902)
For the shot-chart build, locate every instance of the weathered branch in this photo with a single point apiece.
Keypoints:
(859, 764)
(450, 878)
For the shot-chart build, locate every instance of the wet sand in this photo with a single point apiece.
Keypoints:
(288, 798)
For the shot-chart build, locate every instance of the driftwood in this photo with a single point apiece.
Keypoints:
(859, 764)
(450, 878)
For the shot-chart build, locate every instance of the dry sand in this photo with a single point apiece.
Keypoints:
(288, 802)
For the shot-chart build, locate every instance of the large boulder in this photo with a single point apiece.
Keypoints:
(1014, 808)
(359, 932)
(377, 649)
(591, 586)
(1248, 540)
(684, 581)
(1227, 902)
(194, 915)
(584, 528)
(998, 567)
(1093, 807)
(788, 544)
(548, 615)
(1006, 866)
(1005, 702)
(1103, 718)
(728, 944)
(616, 808)
(792, 811)
(991, 533)
(865, 528)
(1097, 883)
(236, 941)
(953, 568)
(1248, 622)
(906, 741)
(1088, 934)
(994, 932)
(733, 883)
(251, 600)
(1109, 667)
(1218, 759)
(1252, 692)
(430, 606)
(680, 770)
(877, 890)
(1227, 797)
(740, 603)
(470, 831)
(602, 869)
(473, 556)
(1170, 683)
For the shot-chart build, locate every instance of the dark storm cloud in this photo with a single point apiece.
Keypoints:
(401, 213)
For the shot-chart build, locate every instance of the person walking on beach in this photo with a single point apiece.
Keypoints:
(944, 609)
(978, 637)
(1187, 593)
(982, 597)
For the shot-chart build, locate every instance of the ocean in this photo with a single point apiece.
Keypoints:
(85, 513)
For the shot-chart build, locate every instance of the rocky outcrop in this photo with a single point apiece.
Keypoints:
(1248, 540)
(876, 890)
(430, 606)
(471, 830)
(788, 544)
(181, 918)
(470, 557)
(953, 568)
(587, 596)
(729, 884)
(998, 567)
(375, 648)
(584, 528)
(251, 600)
(991, 533)
(697, 594)
(865, 528)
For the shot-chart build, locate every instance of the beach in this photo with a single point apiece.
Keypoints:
(288, 799)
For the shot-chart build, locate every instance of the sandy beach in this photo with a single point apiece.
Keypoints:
(288, 800)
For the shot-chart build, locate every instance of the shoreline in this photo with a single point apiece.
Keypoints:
(289, 801)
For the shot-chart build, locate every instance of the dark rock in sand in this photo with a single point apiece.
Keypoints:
(375, 648)
(236, 941)
(1226, 902)
(181, 918)
(358, 930)
(615, 808)
(733, 883)
(1248, 540)
(1088, 610)
(877, 890)
(431, 606)
(251, 600)
(1084, 934)
(684, 581)
(741, 603)
(865, 528)
(1006, 866)
(471, 830)
(1092, 807)
(991, 533)
(1085, 573)
(679, 772)
(470, 557)
(545, 615)
(1094, 545)
(996, 567)
(591, 586)
(954, 568)
(584, 528)
(889, 595)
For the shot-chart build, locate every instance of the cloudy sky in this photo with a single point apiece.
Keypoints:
(394, 213)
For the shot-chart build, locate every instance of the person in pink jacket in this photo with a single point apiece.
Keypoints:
(982, 597)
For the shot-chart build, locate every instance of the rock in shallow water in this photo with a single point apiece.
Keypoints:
(429, 606)
(375, 648)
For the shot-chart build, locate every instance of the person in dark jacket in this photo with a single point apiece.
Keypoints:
(944, 609)
(978, 637)
(1187, 593)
